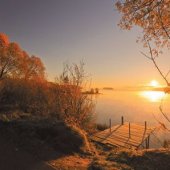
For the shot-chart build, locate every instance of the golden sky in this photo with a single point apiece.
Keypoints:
(70, 31)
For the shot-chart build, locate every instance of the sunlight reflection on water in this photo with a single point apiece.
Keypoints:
(136, 107)
(153, 96)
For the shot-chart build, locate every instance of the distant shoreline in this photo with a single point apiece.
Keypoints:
(88, 92)
(108, 88)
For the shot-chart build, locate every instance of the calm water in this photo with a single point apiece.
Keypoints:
(135, 106)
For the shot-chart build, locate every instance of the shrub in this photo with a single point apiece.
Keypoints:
(74, 106)
(63, 99)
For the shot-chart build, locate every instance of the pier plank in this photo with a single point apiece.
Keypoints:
(120, 137)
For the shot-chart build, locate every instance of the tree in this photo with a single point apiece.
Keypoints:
(16, 63)
(153, 16)
(73, 106)
(10, 54)
(31, 67)
(96, 90)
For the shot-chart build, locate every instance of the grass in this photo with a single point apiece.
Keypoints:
(68, 147)
(101, 127)
(124, 159)
(38, 134)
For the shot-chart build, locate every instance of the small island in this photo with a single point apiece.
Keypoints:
(92, 91)
(108, 88)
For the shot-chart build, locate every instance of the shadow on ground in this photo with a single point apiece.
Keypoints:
(152, 159)
(29, 144)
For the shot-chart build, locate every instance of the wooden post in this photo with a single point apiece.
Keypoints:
(148, 141)
(122, 120)
(110, 124)
(129, 130)
(145, 125)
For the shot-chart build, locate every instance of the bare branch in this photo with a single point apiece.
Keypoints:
(164, 114)
(167, 74)
(145, 55)
(156, 65)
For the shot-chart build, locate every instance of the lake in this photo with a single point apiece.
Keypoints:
(134, 106)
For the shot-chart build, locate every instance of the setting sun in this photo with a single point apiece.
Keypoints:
(153, 96)
(154, 83)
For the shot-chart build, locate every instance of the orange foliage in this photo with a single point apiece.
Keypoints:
(32, 67)
(16, 63)
(153, 16)
(3, 40)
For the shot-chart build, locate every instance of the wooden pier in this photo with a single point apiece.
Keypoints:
(127, 135)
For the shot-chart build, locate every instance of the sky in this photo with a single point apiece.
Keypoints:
(69, 31)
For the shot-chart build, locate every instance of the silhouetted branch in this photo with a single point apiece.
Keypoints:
(145, 55)
(164, 114)
(167, 74)
(152, 58)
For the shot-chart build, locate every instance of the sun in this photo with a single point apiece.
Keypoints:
(152, 95)
(154, 83)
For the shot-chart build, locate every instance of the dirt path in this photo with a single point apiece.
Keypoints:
(12, 158)
(71, 163)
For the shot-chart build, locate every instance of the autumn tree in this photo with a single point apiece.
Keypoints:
(153, 17)
(23, 78)
(31, 67)
(16, 63)
(9, 57)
